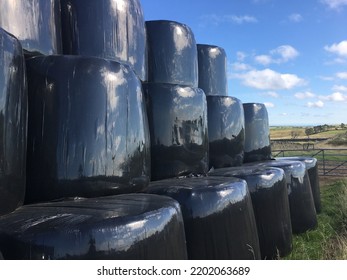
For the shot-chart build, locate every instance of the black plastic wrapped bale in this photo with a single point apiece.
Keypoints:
(13, 123)
(312, 169)
(129, 226)
(1, 257)
(257, 133)
(268, 189)
(172, 53)
(36, 24)
(218, 216)
(212, 64)
(177, 117)
(226, 131)
(88, 132)
(111, 29)
(302, 210)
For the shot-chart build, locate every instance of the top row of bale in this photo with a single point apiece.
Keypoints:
(116, 30)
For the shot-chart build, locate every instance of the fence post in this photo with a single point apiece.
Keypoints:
(323, 163)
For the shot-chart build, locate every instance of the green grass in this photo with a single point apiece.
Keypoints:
(329, 239)
(339, 140)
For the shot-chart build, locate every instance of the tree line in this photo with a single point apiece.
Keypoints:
(321, 128)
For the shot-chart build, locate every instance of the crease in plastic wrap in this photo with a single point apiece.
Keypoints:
(13, 123)
(268, 189)
(212, 64)
(111, 29)
(88, 131)
(257, 133)
(36, 24)
(218, 216)
(226, 131)
(177, 117)
(312, 169)
(129, 226)
(302, 210)
(172, 53)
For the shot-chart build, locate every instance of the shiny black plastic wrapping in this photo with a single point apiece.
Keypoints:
(257, 133)
(129, 226)
(218, 216)
(13, 123)
(88, 132)
(177, 117)
(312, 169)
(212, 64)
(111, 29)
(36, 24)
(302, 210)
(172, 53)
(226, 131)
(268, 189)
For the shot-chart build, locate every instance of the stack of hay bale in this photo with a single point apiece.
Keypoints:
(129, 125)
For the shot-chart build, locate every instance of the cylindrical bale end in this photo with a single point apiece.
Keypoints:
(218, 216)
(128, 227)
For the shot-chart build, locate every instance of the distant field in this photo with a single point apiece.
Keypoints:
(285, 132)
(334, 138)
(279, 132)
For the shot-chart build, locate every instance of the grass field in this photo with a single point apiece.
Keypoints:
(329, 240)
(285, 132)
(337, 138)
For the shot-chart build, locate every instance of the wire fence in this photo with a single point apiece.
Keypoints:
(331, 162)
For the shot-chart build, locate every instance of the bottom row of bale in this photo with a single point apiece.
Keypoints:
(247, 212)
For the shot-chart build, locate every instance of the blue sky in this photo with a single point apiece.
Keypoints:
(289, 55)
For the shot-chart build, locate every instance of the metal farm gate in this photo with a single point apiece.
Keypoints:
(331, 162)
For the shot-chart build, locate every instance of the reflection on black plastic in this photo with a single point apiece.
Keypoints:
(212, 62)
(302, 209)
(177, 118)
(112, 29)
(226, 131)
(172, 53)
(88, 131)
(13, 123)
(267, 186)
(131, 226)
(257, 133)
(218, 216)
(36, 23)
(312, 169)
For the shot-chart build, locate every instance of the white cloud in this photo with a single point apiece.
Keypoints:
(269, 105)
(284, 114)
(241, 19)
(339, 49)
(295, 17)
(303, 95)
(342, 75)
(317, 104)
(268, 79)
(335, 4)
(279, 55)
(221, 19)
(339, 88)
(287, 52)
(263, 59)
(241, 56)
(336, 97)
(271, 94)
(238, 66)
